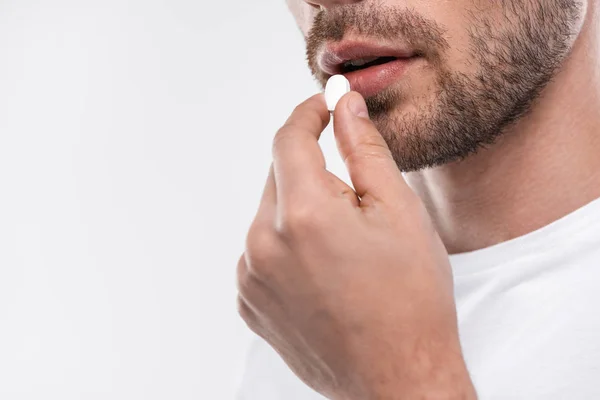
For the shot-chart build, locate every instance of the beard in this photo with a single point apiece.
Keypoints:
(512, 58)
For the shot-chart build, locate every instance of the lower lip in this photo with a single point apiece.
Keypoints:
(373, 80)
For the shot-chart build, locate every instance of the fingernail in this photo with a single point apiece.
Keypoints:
(358, 106)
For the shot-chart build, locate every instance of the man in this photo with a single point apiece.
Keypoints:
(465, 261)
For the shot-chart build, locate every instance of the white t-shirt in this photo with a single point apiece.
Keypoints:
(528, 312)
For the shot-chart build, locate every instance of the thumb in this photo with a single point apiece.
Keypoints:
(368, 159)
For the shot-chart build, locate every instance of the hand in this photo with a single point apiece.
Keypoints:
(353, 288)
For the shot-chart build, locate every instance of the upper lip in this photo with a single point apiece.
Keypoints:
(333, 56)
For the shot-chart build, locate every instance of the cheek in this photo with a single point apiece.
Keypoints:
(303, 14)
(455, 18)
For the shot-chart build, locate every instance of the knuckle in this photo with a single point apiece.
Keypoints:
(299, 108)
(284, 133)
(367, 152)
(243, 279)
(246, 313)
(297, 221)
(306, 109)
(242, 308)
(261, 249)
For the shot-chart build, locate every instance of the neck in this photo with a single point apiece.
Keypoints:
(541, 169)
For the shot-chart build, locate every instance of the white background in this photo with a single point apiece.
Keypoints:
(135, 140)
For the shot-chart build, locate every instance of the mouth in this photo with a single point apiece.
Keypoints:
(370, 68)
(364, 63)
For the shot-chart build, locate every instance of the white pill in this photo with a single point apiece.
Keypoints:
(337, 86)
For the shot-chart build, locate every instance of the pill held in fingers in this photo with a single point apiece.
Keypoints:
(337, 86)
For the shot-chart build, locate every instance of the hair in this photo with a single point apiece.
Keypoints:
(514, 56)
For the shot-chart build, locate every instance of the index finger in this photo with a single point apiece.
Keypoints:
(298, 160)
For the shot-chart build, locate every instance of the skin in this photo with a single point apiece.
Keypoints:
(326, 266)
(353, 286)
(487, 192)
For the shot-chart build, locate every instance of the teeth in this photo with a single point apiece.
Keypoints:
(360, 62)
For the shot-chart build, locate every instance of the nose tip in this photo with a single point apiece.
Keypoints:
(324, 4)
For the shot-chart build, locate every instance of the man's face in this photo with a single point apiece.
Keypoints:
(451, 75)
